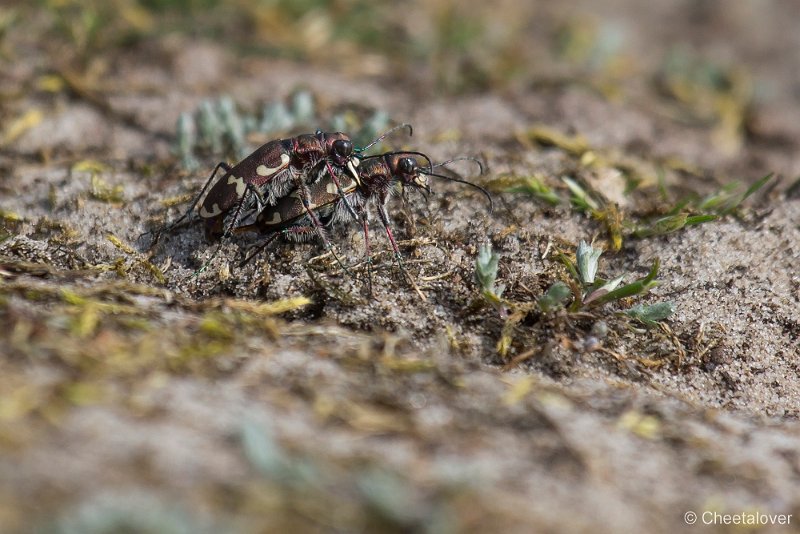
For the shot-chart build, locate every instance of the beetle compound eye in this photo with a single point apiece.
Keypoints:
(342, 148)
(407, 166)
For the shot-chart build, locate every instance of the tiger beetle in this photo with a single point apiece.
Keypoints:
(376, 180)
(272, 171)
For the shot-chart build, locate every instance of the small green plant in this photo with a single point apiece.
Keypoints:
(554, 297)
(214, 127)
(535, 187)
(580, 199)
(637, 173)
(486, 275)
(186, 139)
(650, 315)
(218, 127)
(588, 260)
(566, 303)
(730, 197)
(670, 223)
(590, 291)
(723, 202)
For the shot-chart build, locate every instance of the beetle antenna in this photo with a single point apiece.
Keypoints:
(449, 161)
(476, 186)
(383, 136)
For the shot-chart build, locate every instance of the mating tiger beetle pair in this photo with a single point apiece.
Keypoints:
(301, 186)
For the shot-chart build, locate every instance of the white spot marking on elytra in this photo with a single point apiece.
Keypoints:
(331, 188)
(240, 185)
(215, 210)
(263, 170)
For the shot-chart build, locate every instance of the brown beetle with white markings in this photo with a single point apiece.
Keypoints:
(377, 180)
(271, 172)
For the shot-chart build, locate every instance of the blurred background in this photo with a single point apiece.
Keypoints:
(706, 63)
(447, 46)
(136, 400)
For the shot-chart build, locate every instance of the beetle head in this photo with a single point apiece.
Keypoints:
(337, 146)
(407, 169)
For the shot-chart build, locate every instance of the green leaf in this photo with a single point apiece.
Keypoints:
(534, 186)
(486, 269)
(588, 259)
(726, 200)
(635, 288)
(651, 314)
(757, 185)
(580, 198)
(554, 297)
(671, 223)
(604, 289)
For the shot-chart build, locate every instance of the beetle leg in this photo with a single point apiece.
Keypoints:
(367, 254)
(304, 198)
(229, 229)
(385, 220)
(236, 216)
(261, 247)
(274, 236)
(221, 165)
(340, 191)
(237, 213)
(261, 202)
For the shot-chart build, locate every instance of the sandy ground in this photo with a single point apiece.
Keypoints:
(189, 404)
